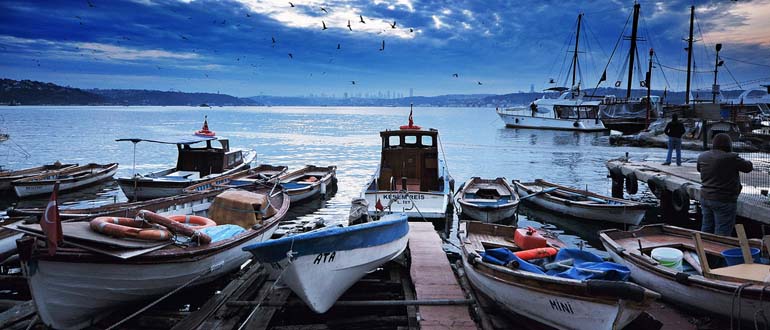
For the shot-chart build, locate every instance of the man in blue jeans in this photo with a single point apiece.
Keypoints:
(674, 130)
(720, 185)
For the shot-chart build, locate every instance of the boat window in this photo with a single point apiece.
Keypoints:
(426, 140)
(410, 139)
(394, 141)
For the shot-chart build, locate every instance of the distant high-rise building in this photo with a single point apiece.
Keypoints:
(532, 88)
(411, 92)
(345, 95)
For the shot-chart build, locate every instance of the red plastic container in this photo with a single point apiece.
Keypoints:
(528, 238)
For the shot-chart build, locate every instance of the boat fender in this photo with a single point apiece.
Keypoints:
(536, 253)
(617, 83)
(632, 186)
(682, 278)
(622, 290)
(656, 185)
(680, 200)
(175, 227)
(576, 124)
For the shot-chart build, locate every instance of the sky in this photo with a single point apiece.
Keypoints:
(434, 47)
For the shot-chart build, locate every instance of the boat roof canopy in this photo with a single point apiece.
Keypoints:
(181, 139)
(557, 89)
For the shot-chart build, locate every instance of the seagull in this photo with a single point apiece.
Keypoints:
(551, 81)
(90, 4)
(353, 82)
(455, 75)
(338, 46)
(248, 15)
(362, 19)
(183, 37)
(383, 46)
(351, 29)
(411, 30)
(291, 56)
(324, 10)
(324, 24)
(392, 26)
(479, 83)
(291, 4)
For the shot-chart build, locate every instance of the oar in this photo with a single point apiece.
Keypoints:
(544, 191)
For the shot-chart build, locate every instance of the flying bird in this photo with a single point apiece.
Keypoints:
(383, 46)
(392, 26)
(411, 30)
(291, 4)
(291, 56)
(183, 37)
(478, 82)
(353, 82)
(455, 75)
(248, 15)
(324, 10)
(338, 46)
(362, 18)
(351, 29)
(90, 4)
(324, 24)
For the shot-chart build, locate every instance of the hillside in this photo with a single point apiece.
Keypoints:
(28, 92)
(151, 97)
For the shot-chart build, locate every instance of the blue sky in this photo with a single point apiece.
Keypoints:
(227, 46)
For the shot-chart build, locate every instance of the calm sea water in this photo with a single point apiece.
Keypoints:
(475, 142)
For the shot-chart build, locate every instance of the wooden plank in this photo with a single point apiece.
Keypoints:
(261, 318)
(744, 242)
(16, 314)
(756, 273)
(704, 262)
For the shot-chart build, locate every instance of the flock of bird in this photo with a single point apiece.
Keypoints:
(274, 41)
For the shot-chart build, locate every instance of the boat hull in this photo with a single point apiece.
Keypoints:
(551, 308)
(523, 121)
(614, 215)
(26, 189)
(488, 215)
(415, 204)
(71, 295)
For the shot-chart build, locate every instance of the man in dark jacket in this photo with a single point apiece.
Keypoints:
(674, 130)
(720, 185)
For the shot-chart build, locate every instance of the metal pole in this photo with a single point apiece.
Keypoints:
(689, 56)
(714, 91)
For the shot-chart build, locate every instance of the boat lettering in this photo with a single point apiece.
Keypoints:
(324, 257)
(405, 196)
(563, 307)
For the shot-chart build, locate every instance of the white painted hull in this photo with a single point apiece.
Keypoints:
(23, 190)
(615, 215)
(559, 311)
(523, 121)
(320, 280)
(708, 299)
(150, 192)
(416, 205)
(70, 295)
(488, 215)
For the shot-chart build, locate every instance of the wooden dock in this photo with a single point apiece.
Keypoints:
(751, 203)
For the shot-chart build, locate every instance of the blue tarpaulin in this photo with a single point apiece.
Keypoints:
(584, 265)
(222, 232)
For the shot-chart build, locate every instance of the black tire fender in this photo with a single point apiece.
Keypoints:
(632, 185)
(680, 200)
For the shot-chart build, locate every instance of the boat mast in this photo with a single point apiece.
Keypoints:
(632, 51)
(575, 56)
(648, 83)
(717, 64)
(689, 56)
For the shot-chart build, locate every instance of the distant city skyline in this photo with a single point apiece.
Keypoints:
(250, 48)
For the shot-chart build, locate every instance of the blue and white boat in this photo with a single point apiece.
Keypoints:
(320, 266)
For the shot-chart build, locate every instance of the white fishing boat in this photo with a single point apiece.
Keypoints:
(488, 200)
(194, 165)
(308, 181)
(556, 301)
(563, 113)
(69, 178)
(412, 177)
(91, 274)
(325, 263)
(261, 173)
(581, 203)
(7, 176)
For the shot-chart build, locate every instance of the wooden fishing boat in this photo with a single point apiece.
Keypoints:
(6, 177)
(70, 178)
(325, 263)
(563, 303)
(193, 166)
(261, 173)
(308, 181)
(488, 200)
(731, 297)
(412, 177)
(581, 203)
(92, 274)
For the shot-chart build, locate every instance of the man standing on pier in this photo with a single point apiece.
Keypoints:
(674, 130)
(720, 185)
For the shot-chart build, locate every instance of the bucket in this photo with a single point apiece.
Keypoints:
(734, 256)
(668, 257)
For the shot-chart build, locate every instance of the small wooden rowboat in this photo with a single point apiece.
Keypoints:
(261, 173)
(581, 203)
(6, 177)
(325, 263)
(92, 274)
(308, 181)
(559, 302)
(488, 200)
(70, 178)
(718, 290)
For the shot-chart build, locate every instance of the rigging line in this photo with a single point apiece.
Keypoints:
(681, 70)
(731, 76)
(613, 53)
(663, 73)
(745, 62)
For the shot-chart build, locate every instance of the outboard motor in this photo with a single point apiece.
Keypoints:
(359, 211)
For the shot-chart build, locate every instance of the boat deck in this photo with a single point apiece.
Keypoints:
(433, 278)
(751, 204)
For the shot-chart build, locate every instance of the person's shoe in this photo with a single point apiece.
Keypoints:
(679, 164)
(665, 164)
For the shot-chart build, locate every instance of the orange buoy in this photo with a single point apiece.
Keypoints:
(128, 228)
(536, 253)
(310, 179)
(174, 226)
(204, 131)
(199, 221)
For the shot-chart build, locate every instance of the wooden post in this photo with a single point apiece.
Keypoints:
(744, 242)
(704, 262)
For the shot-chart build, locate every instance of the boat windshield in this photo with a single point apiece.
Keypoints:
(576, 112)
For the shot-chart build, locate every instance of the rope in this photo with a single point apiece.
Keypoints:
(731, 76)
(745, 62)
(737, 294)
(617, 43)
(761, 310)
(290, 256)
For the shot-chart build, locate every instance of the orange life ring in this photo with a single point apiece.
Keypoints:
(174, 226)
(128, 227)
(536, 253)
(199, 221)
